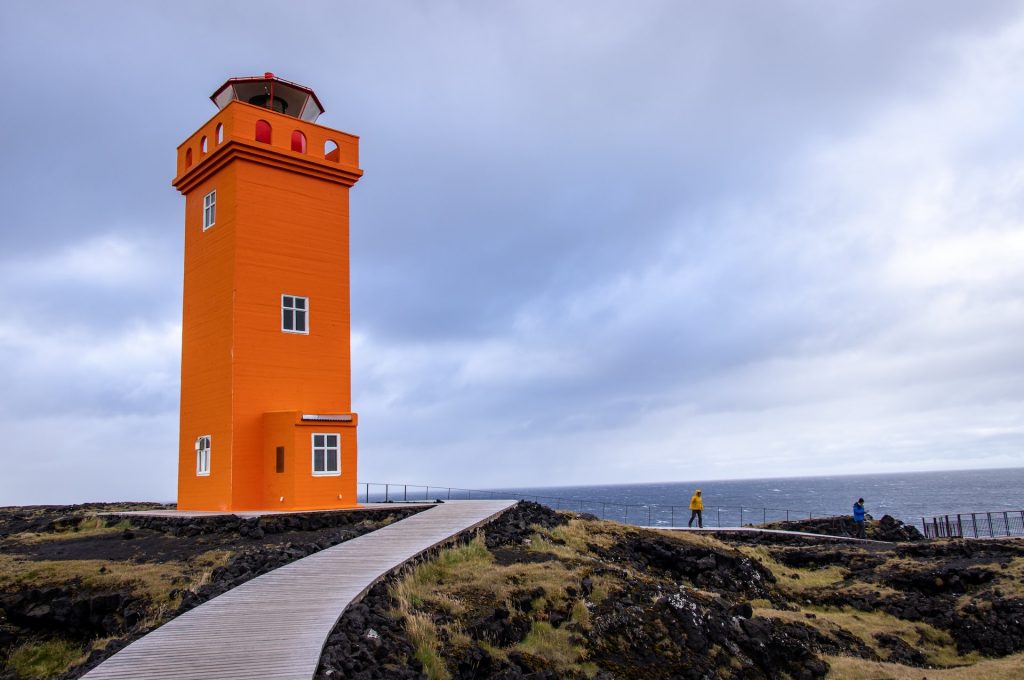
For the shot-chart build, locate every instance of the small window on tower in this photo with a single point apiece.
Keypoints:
(209, 209)
(326, 454)
(263, 132)
(203, 456)
(294, 314)
(220, 132)
(298, 141)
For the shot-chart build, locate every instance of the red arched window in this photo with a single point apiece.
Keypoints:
(188, 158)
(263, 131)
(298, 141)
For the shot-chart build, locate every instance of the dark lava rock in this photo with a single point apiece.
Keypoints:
(886, 529)
(900, 651)
(704, 567)
(515, 525)
(673, 636)
(996, 630)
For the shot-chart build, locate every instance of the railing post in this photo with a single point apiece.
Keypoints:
(959, 526)
(924, 525)
(367, 493)
(387, 490)
(719, 516)
(764, 516)
(673, 510)
(741, 515)
(648, 515)
(991, 529)
(974, 521)
(405, 492)
(787, 515)
(1006, 522)
(449, 493)
(949, 532)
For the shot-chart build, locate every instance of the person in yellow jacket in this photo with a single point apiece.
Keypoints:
(696, 508)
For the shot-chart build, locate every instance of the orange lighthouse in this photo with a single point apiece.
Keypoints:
(266, 414)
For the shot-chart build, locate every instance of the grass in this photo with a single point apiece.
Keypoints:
(793, 580)
(44, 659)
(90, 526)
(937, 645)
(548, 642)
(849, 668)
(465, 577)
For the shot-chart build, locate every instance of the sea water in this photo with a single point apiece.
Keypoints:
(906, 496)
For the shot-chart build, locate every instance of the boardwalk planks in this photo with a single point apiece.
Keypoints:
(275, 625)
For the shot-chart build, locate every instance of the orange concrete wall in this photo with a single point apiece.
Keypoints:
(278, 430)
(239, 121)
(206, 345)
(281, 228)
(296, 242)
(299, 488)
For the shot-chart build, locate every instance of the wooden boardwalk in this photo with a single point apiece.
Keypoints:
(275, 625)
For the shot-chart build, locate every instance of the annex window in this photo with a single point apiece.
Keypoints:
(294, 314)
(209, 209)
(326, 454)
(203, 456)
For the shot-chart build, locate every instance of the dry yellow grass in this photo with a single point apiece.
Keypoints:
(937, 645)
(849, 668)
(792, 580)
(89, 526)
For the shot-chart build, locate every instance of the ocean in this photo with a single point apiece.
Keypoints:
(906, 496)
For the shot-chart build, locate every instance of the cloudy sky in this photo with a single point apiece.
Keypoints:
(595, 242)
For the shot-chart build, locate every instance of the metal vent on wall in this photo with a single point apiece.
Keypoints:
(344, 418)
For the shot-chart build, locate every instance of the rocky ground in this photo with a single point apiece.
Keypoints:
(535, 594)
(539, 594)
(76, 586)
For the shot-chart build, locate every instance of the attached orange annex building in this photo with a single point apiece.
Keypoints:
(266, 414)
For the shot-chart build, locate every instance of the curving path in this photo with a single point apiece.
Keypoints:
(275, 625)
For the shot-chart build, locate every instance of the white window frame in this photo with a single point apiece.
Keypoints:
(327, 446)
(209, 209)
(203, 455)
(295, 310)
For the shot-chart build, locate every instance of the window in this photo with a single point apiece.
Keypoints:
(294, 311)
(203, 456)
(280, 459)
(263, 131)
(209, 209)
(220, 132)
(326, 454)
(298, 141)
(203, 144)
(331, 152)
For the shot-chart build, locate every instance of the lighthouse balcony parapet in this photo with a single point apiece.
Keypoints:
(263, 129)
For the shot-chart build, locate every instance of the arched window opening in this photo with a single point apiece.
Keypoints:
(203, 145)
(298, 141)
(263, 131)
(188, 158)
(220, 132)
(331, 152)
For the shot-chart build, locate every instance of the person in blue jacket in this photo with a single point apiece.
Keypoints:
(858, 517)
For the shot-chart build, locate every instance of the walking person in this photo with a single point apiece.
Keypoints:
(696, 510)
(858, 518)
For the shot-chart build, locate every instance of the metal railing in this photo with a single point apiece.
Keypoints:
(975, 525)
(639, 514)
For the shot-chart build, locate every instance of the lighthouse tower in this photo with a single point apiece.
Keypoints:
(266, 414)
